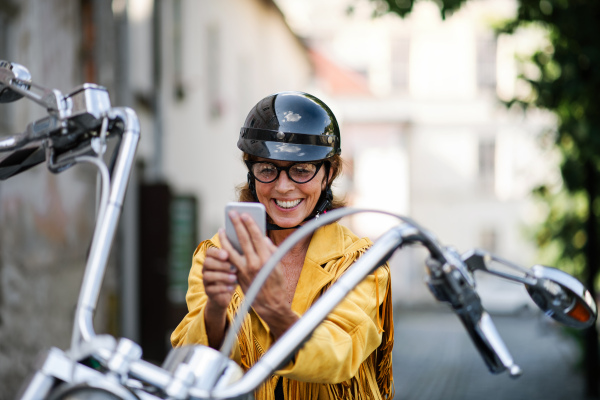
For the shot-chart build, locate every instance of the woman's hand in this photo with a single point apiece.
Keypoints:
(219, 284)
(256, 251)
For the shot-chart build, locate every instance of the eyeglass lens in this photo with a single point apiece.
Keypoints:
(299, 172)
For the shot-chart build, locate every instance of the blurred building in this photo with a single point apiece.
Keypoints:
(212, 61)
(218, 60)
(425, 133)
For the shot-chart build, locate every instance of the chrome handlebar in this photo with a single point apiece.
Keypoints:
(76, 130)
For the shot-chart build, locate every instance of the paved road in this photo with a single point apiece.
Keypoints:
(435, 359)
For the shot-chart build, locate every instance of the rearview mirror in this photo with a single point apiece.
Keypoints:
(13, 74)
(562, 297)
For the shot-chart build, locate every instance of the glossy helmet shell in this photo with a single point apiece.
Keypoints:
(290, 126)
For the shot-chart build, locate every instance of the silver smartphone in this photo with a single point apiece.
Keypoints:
(256, 211)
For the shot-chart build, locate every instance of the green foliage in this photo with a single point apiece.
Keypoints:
(566, 215)
(568, 85)
(404, 7)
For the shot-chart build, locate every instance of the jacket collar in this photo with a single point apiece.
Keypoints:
(326, 244)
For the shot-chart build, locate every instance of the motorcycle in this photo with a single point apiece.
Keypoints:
(77, 129)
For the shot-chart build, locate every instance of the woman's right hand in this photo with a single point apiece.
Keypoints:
(257, 249)
(219, 284)
(218, 277)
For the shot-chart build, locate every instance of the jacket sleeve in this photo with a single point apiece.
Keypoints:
(349, 335)
(192, 329)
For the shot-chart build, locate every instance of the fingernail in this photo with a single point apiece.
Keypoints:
(232, 268)
(231, 288)
(233, 278)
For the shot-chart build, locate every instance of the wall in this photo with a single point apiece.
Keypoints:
(47, 220)
(232, 55)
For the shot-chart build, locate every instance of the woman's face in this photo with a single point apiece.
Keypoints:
(288, 203)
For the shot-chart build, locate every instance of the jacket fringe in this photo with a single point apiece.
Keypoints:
(374, 379)
(381, 360)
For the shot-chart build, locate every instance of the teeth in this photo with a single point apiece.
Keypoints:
(288, 204)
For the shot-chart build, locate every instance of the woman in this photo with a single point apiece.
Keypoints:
(291, 146)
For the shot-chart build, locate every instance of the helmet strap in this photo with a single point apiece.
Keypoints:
(252, 187)
(324, 202)
(275, 227)
(326, 198)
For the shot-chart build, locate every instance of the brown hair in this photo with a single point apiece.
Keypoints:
(335, 162)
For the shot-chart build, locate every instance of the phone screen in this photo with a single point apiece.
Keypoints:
(257, 213)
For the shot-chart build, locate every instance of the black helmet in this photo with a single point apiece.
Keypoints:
(290, 126)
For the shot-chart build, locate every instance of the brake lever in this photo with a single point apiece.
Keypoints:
(480, 260)
(450, 281)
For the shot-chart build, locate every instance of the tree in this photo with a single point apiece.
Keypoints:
(568, 85)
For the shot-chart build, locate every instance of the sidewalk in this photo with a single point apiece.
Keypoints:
(434, 358)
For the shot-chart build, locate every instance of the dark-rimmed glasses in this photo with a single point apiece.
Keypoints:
(300, 172)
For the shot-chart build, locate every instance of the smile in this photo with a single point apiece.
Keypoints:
(288, 204)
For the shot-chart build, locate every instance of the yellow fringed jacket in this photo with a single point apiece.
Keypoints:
(349, 356)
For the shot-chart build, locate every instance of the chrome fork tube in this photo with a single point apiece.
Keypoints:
(104, 232)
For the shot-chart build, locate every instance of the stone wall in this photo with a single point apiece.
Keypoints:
(46, 220)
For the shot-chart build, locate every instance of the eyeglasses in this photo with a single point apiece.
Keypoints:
(300, 172)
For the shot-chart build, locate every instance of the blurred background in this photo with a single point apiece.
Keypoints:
(447, 110)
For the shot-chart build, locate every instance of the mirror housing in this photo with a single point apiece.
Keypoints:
(562, 297)
(13, 74)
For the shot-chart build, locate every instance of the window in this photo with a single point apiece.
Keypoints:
(488, 239)
(178, 92)
(213, 76)
(183, 219)
(486, 63)
(400, 51)
(487, 162)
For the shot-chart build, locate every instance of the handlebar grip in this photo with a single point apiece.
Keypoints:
(490, 345)
(19, 158)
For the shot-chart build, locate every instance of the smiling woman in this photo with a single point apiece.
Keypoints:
(291, 146)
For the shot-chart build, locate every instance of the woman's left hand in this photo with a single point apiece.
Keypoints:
(257, 249)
